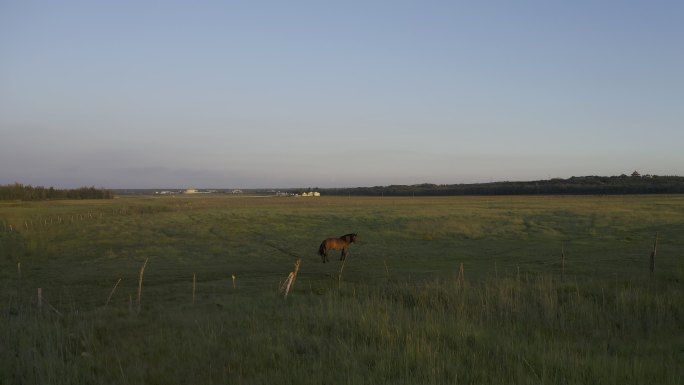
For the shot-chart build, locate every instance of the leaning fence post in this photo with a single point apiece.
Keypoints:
(289, 282)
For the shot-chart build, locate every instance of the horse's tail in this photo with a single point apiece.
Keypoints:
(321, 249)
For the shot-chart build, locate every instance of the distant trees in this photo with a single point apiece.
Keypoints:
(22, 192)
(597, 185)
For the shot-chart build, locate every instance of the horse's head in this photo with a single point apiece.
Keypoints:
(351, 238)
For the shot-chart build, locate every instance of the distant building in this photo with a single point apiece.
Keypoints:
(636, 174)
(284, 194)
(237, 191)
(311, 194)
(198, 191)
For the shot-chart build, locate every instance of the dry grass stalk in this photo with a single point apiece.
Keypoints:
(140, 282)
(194, 280)
(55, 310)
(461, 274)
(112, 293)
(233, 281)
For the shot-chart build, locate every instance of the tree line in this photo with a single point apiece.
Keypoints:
(586, 185)
(22, 192)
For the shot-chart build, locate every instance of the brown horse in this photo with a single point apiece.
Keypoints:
(341, 243)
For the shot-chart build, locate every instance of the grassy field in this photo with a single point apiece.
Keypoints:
(400, 312)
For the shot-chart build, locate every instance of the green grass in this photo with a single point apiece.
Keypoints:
(399, 313)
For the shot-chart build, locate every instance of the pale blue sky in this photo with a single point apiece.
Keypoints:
(313, 93)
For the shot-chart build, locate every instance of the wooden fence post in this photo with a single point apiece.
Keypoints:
(194, 280)
(653, 253)
(339, 276)
(562, 262)
(140, 282)
(112, 292)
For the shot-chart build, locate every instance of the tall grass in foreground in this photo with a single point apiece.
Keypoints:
(497, 331)
(519, 313)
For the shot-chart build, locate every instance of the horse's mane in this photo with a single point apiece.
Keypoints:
(348, 236)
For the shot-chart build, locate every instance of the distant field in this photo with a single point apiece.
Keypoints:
(400, 312)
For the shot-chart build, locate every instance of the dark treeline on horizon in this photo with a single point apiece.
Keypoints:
(586, 185)
(22, 192)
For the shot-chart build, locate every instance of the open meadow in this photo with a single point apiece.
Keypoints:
(488, 290)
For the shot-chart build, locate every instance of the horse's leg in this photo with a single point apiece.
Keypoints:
(344, 254)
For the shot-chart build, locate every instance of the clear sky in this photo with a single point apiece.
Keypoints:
(160, 94)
